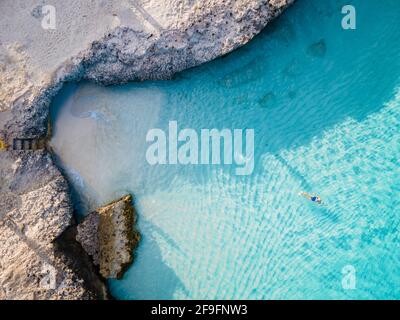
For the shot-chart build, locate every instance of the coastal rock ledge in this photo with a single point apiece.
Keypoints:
(109, 237)
(107, 42)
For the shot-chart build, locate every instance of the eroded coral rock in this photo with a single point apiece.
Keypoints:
(35, 211)
(109, 237)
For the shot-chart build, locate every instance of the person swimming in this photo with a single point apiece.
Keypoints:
(310, 197)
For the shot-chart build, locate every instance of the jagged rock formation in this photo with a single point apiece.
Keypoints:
(106, 42)
(36, 209)
(109, 237)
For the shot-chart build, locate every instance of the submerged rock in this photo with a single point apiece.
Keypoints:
(317, 49)
(267, 99)
(109, 237)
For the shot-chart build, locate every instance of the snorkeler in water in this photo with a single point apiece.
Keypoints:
(310, 197)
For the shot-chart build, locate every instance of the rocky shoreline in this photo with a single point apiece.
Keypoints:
(39, 255)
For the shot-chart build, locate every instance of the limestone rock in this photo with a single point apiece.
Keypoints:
(109, 237)
(32, 266)
(88, 236)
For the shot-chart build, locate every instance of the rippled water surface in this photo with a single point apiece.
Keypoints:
(325, 107)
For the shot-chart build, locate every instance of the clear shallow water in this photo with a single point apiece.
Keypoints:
(324, 104)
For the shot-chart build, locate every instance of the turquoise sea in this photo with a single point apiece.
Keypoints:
(324, 103)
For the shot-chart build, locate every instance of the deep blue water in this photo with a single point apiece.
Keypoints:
(324, 105)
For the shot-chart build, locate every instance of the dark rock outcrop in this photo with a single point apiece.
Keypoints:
(109, 236)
